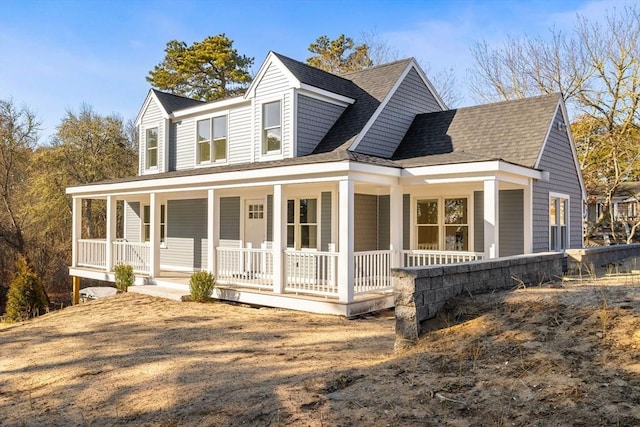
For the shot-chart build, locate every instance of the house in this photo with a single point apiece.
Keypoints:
(307, 190)
(625, 211)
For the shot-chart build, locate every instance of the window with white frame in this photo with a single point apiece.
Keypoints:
(146, 224)
(271, 128)
(212, 140)
(442, 224)
(558, 221)
(151, 139)
(302, 223)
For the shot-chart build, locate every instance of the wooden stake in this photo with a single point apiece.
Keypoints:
(76, 289)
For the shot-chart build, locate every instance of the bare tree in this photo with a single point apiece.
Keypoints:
(597, 70)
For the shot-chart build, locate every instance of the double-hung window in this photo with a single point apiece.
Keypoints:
(302, 223)
(271, 128)
(212, 140)
(558, 220)
(442, 224)
(146, 223)
(151, 139)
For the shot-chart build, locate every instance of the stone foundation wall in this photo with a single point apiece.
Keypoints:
(601, 256)
(421, 291)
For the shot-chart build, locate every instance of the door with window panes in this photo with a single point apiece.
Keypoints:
(302, 234)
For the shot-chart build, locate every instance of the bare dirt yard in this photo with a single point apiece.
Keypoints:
(541, 356)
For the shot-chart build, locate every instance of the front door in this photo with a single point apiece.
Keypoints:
(255, 222)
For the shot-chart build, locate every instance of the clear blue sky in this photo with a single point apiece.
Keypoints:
(56, 55)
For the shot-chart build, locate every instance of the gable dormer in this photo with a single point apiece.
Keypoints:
(412, 93)
(294, 106)
(154, 127)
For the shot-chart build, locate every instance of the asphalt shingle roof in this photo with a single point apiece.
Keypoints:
(513, 131)
(371, 87)
(173, 103)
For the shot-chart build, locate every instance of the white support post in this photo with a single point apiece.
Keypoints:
(395, 225)
(154, 234)
(345, 241)
(111, 231)
(212, 232)
(279, 237)
(491, 234)
(76, 229)
(528, 217)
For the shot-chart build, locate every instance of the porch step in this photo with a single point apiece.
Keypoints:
(159, 291)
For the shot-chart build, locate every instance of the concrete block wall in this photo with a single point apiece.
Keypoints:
(600, 256)
(421, 291)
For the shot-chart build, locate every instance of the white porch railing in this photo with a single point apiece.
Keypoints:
(372, 272)
(311, 272)
(135, 254)
(245, 266)
(418, 258)
(92, 253)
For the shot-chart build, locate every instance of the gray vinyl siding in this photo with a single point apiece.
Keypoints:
(230, 218)
(384, 206)
(151, 118)
(270, 218)
(325, 220)
(406, 221)
(478, 221)
(315, 118)
(273, 86)
(412, 97)
(511, 223)
(365, 229)
(132, 222)
(186, 245)
(557, 159)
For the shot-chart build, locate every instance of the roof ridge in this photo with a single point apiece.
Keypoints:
(177, 96)
(316, 69)
(378, 66)
(512, 101)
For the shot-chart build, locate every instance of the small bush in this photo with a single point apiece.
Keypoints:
(201, 286)
(26, 297)
(124, 276)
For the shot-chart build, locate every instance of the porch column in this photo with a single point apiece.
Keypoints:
(395, 225)
(527, 210)
(345, 241)
(279, 238)
(76, 229)
(212, 232)
(491, 235)
(154, 235)
(111, 232)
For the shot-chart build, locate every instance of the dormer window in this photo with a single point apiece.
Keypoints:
(152, 147)
(271, 128)
(212, 149)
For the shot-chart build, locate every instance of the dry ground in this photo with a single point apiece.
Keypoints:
(539, 356)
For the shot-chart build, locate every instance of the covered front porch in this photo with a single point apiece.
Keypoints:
(322, 239)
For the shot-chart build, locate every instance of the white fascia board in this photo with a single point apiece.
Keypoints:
(325, 95)
(270, 59)
(465, 169)
(381, 107)
(209, 107)
(427, 82)
(316, 172)
(565, 117)
(151, 96)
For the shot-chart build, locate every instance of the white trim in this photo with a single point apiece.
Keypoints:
(325, 95)
(151, 95)
(294, 124)
(465, 169)
(567, 213)
(561, 106)
(270, 59)
(410, 65)
(211, 108)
